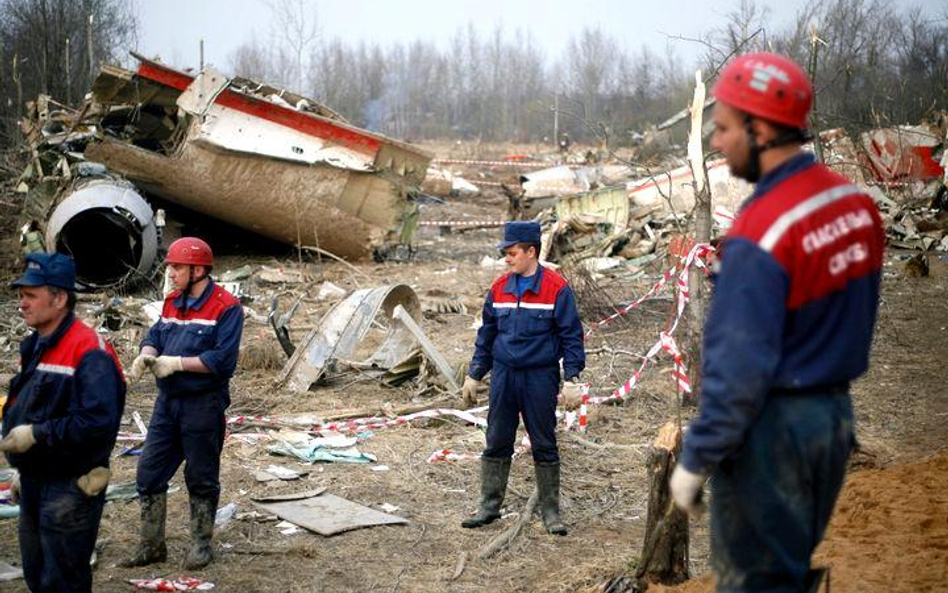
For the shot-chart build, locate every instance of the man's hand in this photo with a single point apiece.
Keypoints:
(469, 391)
(572, 393)
(139, 365)
(165, 366)
(686, 490)
(19, 440)
(95, 481)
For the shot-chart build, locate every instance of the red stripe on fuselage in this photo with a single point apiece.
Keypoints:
(263, 109)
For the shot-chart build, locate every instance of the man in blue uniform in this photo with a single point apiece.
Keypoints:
(790, 325)
(530, 323)
(192, 351)
(60, 422)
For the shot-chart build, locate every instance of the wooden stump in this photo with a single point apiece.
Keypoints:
(664, 557)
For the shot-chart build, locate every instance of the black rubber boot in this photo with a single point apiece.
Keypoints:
(151, 548)
(494, 474)
(548, 486)
(203, 513)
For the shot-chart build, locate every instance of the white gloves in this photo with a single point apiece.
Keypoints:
(139, 365)
(469, 391)
(572, 394)
(19, 440)
(164, 366)
(15, 489)
(686, 490)
(95, 481)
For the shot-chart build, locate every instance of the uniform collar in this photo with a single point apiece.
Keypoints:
(181, 300)
(790, 167)
(53, 338)
(511, 285)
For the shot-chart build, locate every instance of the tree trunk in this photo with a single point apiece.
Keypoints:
(664, 557)
(702, 219)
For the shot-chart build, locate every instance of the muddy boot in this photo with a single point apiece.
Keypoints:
(494, 474)
(151, 548)
(548, 487)
(203, 512)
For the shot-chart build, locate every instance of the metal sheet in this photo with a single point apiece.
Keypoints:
(610, 203)
(343, 327)
(328, 514)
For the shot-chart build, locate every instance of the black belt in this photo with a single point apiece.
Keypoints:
(829, 389)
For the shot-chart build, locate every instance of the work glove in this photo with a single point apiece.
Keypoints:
(95, 481)
(139, 365)
(572, 394)
(469, 391)
(15, 489)
(164, 366)
(686, 490)
(19, 440)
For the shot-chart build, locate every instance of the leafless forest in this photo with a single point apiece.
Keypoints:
(878, 63)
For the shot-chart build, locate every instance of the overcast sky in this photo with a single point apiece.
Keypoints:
(172, 28)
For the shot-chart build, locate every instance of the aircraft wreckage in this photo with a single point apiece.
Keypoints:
(255, 156)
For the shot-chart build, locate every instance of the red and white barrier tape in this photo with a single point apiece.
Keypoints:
(525, 164)
(665, 341)
(179, 584)
(454, 223)
(449, 455)
(375, 423)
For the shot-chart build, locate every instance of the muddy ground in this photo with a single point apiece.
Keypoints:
(892, 516)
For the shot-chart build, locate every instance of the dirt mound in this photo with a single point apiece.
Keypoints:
(889, 533)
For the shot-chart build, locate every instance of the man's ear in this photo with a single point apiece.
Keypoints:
(764, 132)
(60, 298)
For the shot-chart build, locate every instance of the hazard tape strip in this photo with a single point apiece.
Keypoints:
(696, 257)
(457, 223)
(524, 164)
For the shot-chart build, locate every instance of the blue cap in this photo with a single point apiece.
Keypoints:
(48, 269)
(520, 231)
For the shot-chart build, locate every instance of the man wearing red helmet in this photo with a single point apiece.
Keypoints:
(192, 351)
(790, 325)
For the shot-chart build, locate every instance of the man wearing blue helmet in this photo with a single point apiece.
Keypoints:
(60, 422)
(530, 323)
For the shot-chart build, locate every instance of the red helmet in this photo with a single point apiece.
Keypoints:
(190, 251)
(767, 86)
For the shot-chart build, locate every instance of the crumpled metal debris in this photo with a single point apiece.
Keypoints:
(342, 329)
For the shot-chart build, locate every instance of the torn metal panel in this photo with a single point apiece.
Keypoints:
(344, 326)
(565, 180)
(412, 326)
(902, 153)
(677, 188)
(611, 204)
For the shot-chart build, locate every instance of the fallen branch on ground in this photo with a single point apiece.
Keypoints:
(503, 540)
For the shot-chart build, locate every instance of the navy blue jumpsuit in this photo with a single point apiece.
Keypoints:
(521, 342)
(188, 421)
(71, 389)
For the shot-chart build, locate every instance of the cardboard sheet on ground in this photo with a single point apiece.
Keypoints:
(328, 514)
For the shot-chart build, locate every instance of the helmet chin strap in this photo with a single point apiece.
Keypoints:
(791, 136)
(187, 289)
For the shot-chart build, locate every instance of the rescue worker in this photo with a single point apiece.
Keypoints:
(192, 351)
(60, 422)
(530, 322)
(789, 327)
